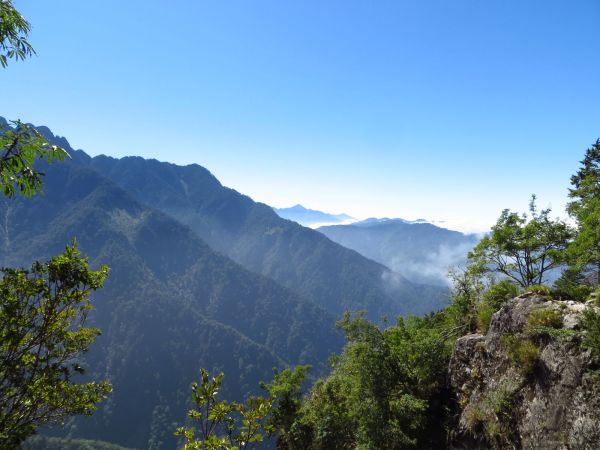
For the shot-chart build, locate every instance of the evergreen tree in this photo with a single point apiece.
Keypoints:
(584, 252)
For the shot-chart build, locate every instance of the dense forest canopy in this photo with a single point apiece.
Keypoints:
(386, 388)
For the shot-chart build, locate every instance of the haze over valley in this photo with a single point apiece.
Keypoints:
(419, 250)
(232, 225)
(195, 262)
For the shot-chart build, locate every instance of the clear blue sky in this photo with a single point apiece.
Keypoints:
(448, 110)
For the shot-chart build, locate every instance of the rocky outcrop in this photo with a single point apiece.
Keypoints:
(527, 383)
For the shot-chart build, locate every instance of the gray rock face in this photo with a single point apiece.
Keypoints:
(526, 383)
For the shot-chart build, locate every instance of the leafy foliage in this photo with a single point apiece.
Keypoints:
(485, 311)
(539, 289)
(491, 415)
(523, 248)
(168, 295)
(383, 392)
(285, 390)
(572, 283)
(544, 317)
(13, 34)
(522, 351)
(21, 146)
(584, 252)
(591, 339)
(224, 425)
(547, 322)
(42, 334)
(475, 298)
(492, 300)
(499, 293)
(468, 288)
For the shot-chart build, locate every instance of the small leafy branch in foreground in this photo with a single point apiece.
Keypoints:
(21, 146)
(13, 34)
(224, 425)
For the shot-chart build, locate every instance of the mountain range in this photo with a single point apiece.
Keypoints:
(253, 235)
(310, 217)
(420, 251)
(170, 305)
(201, 276)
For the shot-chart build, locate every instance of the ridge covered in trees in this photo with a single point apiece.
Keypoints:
(253, 235)
(172, 302)
(389, 386)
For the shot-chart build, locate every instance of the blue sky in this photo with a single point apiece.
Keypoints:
(445, 110)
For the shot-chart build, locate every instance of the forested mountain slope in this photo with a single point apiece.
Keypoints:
(422, 252)
(170, 305)
(252, 234)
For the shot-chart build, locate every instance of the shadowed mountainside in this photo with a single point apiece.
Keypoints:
(170, 305)
(253, 235)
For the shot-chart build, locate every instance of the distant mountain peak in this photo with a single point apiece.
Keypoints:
(58, 140)
(387, 221)
(310, 217)
(417, 249)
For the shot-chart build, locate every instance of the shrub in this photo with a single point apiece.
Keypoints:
(547, 322)
(501, 399)
(499, 293)
(492, 300)
(493, 412)
(476, 416)
(595, 296)
(571, 286)
(522, 352)
(540, 289)
(542, 319)
(485, 311)
(591, 325)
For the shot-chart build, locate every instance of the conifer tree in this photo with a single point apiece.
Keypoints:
(584, 207)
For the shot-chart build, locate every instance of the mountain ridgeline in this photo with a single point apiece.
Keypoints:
(420, 251)
(253, 235)
(310, 217)
(201, 276)
(170, 306)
